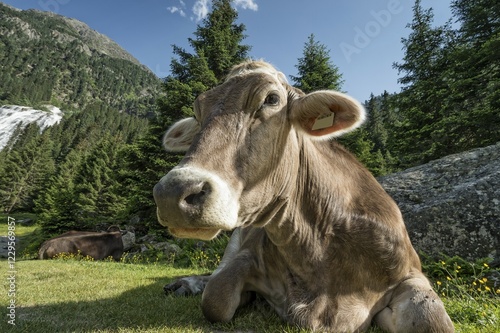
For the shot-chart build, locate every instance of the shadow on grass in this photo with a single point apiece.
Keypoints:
(144, 308)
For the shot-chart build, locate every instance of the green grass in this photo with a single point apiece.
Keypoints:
(19, 229)
(88, 296)
(470, 297)
(28, 238)
(69, 295)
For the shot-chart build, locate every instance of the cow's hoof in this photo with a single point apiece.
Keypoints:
(176, 288)
(187, 286)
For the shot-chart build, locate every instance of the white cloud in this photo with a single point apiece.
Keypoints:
(200, 9)
(246, 4)
(174, 9)
(178, 9)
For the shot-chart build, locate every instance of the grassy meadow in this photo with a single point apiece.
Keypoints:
(81, 295)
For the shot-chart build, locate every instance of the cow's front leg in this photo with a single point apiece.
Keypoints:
(187, 286)
(225, 292)
(195, 284)
(415, 307)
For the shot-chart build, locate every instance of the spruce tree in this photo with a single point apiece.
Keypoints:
(316, 72)
(56, 207)
(424, 90)
(451, 83)
(26, 168)
(97, 192)
(86, 188)
(479, 20)
(315, 69)
(473, 106)
(219, 39)
(216, 48)
(382, 119)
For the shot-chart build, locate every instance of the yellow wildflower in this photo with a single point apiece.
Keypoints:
(487, 288)
(474, 283)
(438, 283)
(448, 278)
(485, 280)
(486, 265)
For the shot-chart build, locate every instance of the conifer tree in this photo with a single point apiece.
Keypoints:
(479, 20)
(97, 191)
(25, 170)
(216, 48)
(219, 38)
(473, 119)
(86, 187)
(424, 90)
(449, 102)
(316, 71)
(56, 206)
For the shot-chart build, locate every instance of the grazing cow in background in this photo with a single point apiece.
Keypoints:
(98, 245)
(316, 235)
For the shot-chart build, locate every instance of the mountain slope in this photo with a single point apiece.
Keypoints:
(49, 59)
(99, 42)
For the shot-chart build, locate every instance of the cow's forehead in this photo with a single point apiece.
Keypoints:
(280, 77)
(245, 87)
(257, 67)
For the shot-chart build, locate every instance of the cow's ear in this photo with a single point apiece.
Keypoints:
(180, 136)
(325, 114)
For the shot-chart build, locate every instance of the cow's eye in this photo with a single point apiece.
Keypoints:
(272, 99)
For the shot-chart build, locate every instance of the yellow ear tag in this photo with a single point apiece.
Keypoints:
(324, 121)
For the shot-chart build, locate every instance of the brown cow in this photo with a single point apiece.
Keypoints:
(98, 245)
(317, 236)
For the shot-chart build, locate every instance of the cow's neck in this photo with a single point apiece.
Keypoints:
(317, 197)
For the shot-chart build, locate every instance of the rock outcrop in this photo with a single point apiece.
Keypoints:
(451, 206)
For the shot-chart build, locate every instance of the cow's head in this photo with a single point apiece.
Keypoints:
(243, 150)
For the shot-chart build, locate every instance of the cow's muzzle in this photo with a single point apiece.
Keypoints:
(194, 203)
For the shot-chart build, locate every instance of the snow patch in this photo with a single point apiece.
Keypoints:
(11, 116)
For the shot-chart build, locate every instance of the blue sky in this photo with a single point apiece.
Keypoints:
(363, 36)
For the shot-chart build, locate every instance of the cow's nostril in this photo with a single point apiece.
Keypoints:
(197, 194)
(193, 199)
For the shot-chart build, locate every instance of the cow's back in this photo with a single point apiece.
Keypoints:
(100, 246)
(53, 247)
(380, 222)
(95, 245)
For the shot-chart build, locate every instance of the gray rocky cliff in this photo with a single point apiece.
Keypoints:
(451, 206)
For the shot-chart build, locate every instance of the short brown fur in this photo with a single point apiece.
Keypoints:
(98, 245)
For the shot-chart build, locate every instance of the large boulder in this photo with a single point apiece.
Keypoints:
(451, 206)
(128, 240)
